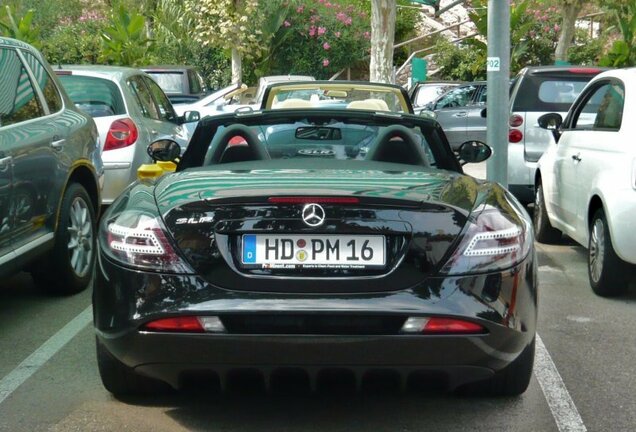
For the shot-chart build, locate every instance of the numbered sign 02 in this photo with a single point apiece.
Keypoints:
(493, 64)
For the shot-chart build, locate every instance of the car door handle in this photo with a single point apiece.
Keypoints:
(5, 162)
(58, 144)
(576, 157)
(153, 132)
(460, 114)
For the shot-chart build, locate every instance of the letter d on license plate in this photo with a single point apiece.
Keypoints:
(314, 251)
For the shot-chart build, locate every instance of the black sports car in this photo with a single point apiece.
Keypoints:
(316, 240)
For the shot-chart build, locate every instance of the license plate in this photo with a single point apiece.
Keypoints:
(313, 251)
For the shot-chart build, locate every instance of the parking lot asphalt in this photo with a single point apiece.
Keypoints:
(584, 374)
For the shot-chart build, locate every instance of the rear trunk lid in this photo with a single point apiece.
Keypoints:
(382, 231)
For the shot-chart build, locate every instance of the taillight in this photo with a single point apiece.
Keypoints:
(441, 326)
(237, 140)
(515, 136)
(494, 239)
(591, 71)
(122, 133)
(138, 240)
(515, 120)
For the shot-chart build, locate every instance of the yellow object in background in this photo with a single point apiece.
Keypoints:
(149, 171)
(167, 166)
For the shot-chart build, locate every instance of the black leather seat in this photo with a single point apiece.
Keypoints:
(221, 152)
(406, 149)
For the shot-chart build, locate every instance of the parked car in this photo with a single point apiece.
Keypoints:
(293, 251)
(130, 111)
(423, 93)
(50, 175)
(266, 81)
(538, 90)
(363, 95)
(585, 185)
(459, 111)
(182, 84)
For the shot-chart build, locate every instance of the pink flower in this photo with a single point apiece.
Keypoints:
(325, 62)
(337, 34)
(348, 21)
(312, 31)
(556, 28)
(300, 9)
(286, 23)
(321, 31)
(328, 4)
(367, 35)
(326, 46)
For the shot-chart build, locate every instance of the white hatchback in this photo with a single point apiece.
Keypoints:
(585, 184)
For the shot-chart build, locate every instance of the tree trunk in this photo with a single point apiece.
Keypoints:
(570, 13)
(237, 72)
(382, 37)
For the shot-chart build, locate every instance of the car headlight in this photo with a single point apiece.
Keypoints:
(135, 238)
(495, 237)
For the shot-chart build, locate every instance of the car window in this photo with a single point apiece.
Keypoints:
(144, 98)
(458, 97)
(166, 111)
(195, 84)
(95, 96)
(18, 99)
(428, 93)
(603, 109)
(170, 82)
(483, 96)
(48, 87)
(548, 92)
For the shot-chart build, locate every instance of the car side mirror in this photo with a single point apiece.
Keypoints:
(164, 150)
(484, 113)
(191, 116)
(550, 121)
(473, 152)
(429, 114)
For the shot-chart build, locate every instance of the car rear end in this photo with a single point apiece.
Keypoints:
(537, 91)
(385, 302)
(99, 93)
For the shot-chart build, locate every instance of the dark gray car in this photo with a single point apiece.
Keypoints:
(50, 175)
(459, 113)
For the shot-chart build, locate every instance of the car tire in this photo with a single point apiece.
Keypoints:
(513, 380)
(543, 231)
(606, 271)
(121, 380)
(68, 268)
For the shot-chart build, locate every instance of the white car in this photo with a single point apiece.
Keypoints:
(585, 185)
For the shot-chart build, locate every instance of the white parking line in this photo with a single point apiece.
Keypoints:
(564, 411)
(48, 349)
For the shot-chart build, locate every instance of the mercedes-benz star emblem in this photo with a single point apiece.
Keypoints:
(313, 215)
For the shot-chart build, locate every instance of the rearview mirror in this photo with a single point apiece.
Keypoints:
(164, 150)
(191, 116)
(474, 152)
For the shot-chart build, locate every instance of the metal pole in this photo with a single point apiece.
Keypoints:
(498, 67)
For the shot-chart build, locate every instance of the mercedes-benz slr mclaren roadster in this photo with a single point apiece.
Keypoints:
(316, 241)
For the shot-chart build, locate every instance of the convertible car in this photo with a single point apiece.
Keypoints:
(319, 242)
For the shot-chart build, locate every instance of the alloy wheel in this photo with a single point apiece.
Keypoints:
(80, 244)
(597, 250)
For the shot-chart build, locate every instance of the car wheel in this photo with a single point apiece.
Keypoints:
(511, 381)
(119, 379)
(543, 231)
(68, 268)
(605, 269)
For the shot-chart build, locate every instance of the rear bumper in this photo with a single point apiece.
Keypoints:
(505, 303)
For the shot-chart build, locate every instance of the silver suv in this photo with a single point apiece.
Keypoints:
(538, 90)
(50, 174)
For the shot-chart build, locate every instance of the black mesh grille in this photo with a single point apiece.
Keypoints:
(313, 324)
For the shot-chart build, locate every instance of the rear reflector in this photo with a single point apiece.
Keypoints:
(313, 200)
(451, 326)
(187, 324)
(434, 325)
(515, 136)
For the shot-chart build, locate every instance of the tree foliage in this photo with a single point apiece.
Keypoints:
(125, 40)
(21, 28)
(623, 51)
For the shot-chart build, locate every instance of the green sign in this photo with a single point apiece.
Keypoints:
(418, 70)
(562, 63)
